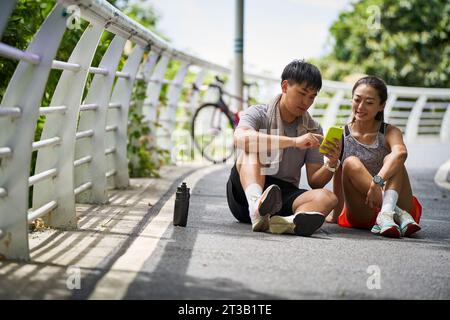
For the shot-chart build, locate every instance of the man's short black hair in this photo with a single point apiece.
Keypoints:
(299, 71)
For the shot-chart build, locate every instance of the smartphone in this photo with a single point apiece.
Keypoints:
(333, 132)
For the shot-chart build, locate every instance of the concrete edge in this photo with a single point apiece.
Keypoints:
(442, 177)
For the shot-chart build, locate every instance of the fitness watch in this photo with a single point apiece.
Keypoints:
(379, 181)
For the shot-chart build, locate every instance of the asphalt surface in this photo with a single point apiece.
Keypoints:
(129, 249)
(216, 257)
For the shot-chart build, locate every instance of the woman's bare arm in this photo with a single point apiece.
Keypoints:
(396, 159)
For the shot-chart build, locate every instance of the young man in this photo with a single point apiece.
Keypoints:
(266, 193)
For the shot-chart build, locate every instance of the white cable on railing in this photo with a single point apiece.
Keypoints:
(121, 74)
(53, 109)
(10, 112)
(89, 107)
(17, 54)
(5, 152)
(42, 176)
(98, 71)
(84, 134)
(114, 105)
(62, 65)
(82, 161)
(111, 128)
(46, 143)
(110, 173)
(110, 150)
(82, 188)
(46, 208)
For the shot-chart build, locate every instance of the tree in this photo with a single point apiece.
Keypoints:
(405, 42)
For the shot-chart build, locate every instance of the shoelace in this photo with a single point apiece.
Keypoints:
(254, 198)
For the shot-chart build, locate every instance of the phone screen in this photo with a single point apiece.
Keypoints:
(333, 132)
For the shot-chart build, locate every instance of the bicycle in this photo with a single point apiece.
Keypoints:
(213, 125)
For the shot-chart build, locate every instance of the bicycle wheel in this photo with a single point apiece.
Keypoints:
(212, 132)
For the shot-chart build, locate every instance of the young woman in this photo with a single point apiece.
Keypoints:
(372, 184)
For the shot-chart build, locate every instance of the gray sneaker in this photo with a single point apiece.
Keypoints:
(386, 225)
(302, 224)
(269, 203)
(406, 222)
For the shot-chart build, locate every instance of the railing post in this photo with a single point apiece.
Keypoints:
(149, 109)
(445, 128)
(194, 98)
(412, 127)
(99, 93)
(333, 109)
(389, 105)
(168, 114)
(122, 95)
(7, 8)
(25, 91)
(68, 93)
(146, 73)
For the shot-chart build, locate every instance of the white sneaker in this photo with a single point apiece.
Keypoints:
(269, 203)
(301, 224)
(386, 226)
(406, 222)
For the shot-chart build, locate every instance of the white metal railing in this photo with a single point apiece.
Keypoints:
(423, 114)
(83, 144)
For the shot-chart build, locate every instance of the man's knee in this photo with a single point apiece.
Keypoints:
(322, 197)
(328, 197)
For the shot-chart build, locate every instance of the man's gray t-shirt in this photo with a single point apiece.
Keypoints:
(293, 159)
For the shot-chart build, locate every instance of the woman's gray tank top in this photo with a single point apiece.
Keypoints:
(371, 156)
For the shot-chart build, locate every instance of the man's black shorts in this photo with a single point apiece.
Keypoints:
(238, 202)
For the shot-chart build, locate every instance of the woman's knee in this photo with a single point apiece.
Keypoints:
(352, 164)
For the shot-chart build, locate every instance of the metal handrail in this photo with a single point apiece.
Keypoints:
(117, 22)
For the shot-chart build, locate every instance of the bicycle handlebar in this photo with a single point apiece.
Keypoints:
(222, 91)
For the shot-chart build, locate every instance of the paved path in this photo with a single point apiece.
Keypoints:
(216, 257)
(130, 250)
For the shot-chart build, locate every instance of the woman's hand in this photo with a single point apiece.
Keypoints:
(333, 151)
(374, 197)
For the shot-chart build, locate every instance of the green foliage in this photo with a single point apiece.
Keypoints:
(27, 17)
(410, 48)
(145, 158)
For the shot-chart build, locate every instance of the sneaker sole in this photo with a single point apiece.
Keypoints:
(392, 232)
(303, 224)
(272, 202)
(280, 225)
(410, 229)
(376, 229)
(306, 224)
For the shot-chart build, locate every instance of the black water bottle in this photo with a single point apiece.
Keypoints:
(180, 213)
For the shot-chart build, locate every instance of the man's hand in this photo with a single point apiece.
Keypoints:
(307, 141)
(333, 151)
(374, 197)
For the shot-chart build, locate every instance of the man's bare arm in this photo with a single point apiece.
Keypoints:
(252, 141)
